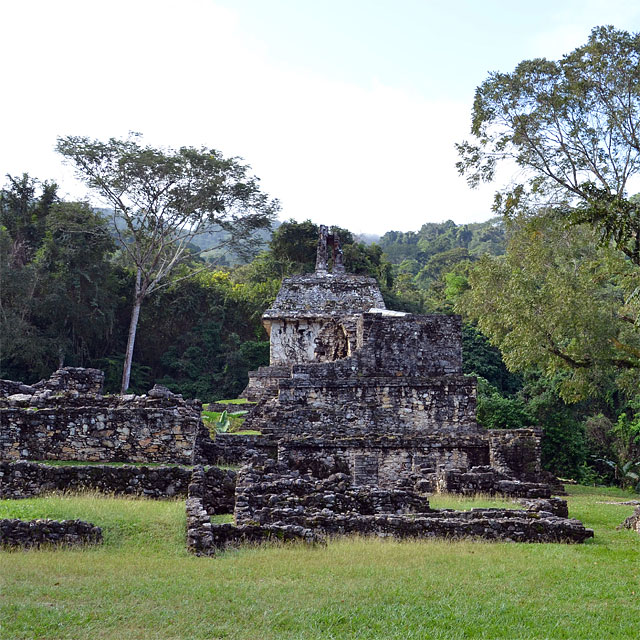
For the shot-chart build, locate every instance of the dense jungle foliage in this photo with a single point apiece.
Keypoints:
(66, 299)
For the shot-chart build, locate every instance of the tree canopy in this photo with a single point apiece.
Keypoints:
(573, 126)
(162, 200)
(557, 301)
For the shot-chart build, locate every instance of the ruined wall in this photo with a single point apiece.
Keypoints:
(389, 462)
(409, 346)
(516, 452)
(632, 522)
(30, 534)
(263, 383)
(216, 487)
(205, 538)
(293, 340)
(267, 485)
(314, 317)
(485, 479)
(271, 493)
(66, 419)
(348, 405)
(404, 378)
(230, 448)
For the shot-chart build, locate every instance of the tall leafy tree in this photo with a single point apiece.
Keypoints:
(162, 200)
(573, 126)
(558, 302)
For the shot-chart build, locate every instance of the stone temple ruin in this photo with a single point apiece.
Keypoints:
(363, 413)
(382, 390)
(369, 412)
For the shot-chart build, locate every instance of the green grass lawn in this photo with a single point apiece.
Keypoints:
(141, 584)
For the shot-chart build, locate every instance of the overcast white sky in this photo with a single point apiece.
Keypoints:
(346, 109)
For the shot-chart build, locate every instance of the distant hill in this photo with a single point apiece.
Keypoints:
(437, 237)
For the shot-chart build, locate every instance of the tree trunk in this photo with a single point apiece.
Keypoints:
(133, 325)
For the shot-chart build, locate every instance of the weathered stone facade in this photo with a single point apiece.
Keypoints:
(379, 389)
(205, 538)
(313, 319)
(67, 418)
(230, 448)
(432, 463)
(386, 393)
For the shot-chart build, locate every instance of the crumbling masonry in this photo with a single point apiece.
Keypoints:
(383, 390)
(363, 412)
(370, 412)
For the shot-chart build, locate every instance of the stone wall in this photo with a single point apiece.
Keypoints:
(485, 479)
(74, 380)
(516, 452)
(38, 533)
(263, 383)
(23, 479)
(268, 486)
(633, 521)
(230, 448)
(205, 538)
(391, 462)
(270, 493)
(404, 378)
(314, 317)
(409, 346)
(65, 418)
(349, 406)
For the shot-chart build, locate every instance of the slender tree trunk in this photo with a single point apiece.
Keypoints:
(133, 325)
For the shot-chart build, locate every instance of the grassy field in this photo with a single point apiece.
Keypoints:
(141, 584)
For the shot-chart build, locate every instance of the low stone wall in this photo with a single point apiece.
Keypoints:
(504, 525)
(214, 487)
(554, 506)
(24, 479)
(37, 533)
(205, 538)
(633, 521)
(65, 418)
(488, 480)
(230, 407)
(270, 493)
(264, 487)
(230, 448)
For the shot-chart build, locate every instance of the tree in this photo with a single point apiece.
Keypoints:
(293, 247)
(573, 125)
(558, 302)
(57, 298)
(162, 200)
